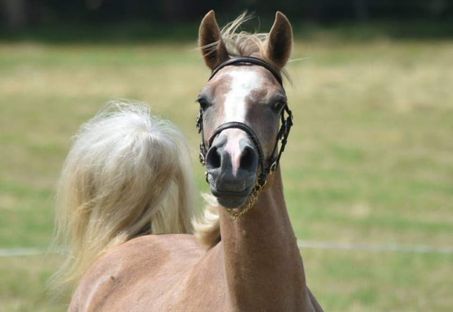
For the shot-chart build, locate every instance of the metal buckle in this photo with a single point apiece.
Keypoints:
(273, 166)
(201, 157)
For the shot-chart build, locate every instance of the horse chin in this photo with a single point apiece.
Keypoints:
(231, 199)
(232, 202)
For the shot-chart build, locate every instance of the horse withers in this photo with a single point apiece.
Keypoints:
(126, 180)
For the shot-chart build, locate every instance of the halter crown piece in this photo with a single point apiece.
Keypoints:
(267, 167)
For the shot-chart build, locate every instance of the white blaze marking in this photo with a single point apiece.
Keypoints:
(243, 83)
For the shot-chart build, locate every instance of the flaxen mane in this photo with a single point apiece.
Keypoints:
(127, 174)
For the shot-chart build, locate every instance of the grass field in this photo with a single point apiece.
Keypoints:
(370, 159)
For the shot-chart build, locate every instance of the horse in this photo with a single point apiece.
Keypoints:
(126, 194)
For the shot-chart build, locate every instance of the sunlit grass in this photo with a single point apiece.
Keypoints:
(369, 158)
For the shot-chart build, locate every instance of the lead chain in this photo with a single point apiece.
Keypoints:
(251, 201)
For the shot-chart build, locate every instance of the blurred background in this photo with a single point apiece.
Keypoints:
(19, 14)
(368, 169)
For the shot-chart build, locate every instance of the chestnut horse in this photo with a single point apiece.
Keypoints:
(244, 254)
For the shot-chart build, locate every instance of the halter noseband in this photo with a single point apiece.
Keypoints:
(282, 135)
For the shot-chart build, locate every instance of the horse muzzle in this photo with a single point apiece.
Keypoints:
(232, 164)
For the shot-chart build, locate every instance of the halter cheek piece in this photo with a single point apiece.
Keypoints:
(286, 122)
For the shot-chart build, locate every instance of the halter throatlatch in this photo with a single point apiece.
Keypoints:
(266, 166)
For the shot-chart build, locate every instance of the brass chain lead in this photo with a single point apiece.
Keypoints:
(236, 213)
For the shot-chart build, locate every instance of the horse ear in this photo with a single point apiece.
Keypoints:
(280, 40)
(210, 41)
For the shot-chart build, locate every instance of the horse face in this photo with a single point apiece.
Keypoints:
(247, 94)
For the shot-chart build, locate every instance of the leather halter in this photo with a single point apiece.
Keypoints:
(286, 123)
(248, 60)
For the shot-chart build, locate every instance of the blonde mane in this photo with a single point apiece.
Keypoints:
(127, 174)
(207, 226)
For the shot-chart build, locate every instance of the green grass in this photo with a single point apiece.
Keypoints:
(369, 158)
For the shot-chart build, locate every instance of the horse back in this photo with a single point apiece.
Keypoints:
(144, 274)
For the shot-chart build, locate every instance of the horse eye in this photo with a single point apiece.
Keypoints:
(204, 104)
(278, 105)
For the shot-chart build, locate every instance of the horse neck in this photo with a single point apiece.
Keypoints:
(263, 266)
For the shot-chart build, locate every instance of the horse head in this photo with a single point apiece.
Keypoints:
(243, 108)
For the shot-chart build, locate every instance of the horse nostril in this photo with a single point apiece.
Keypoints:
(248, 158)
(213, 159)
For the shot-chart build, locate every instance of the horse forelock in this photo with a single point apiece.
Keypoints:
(243, 43)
